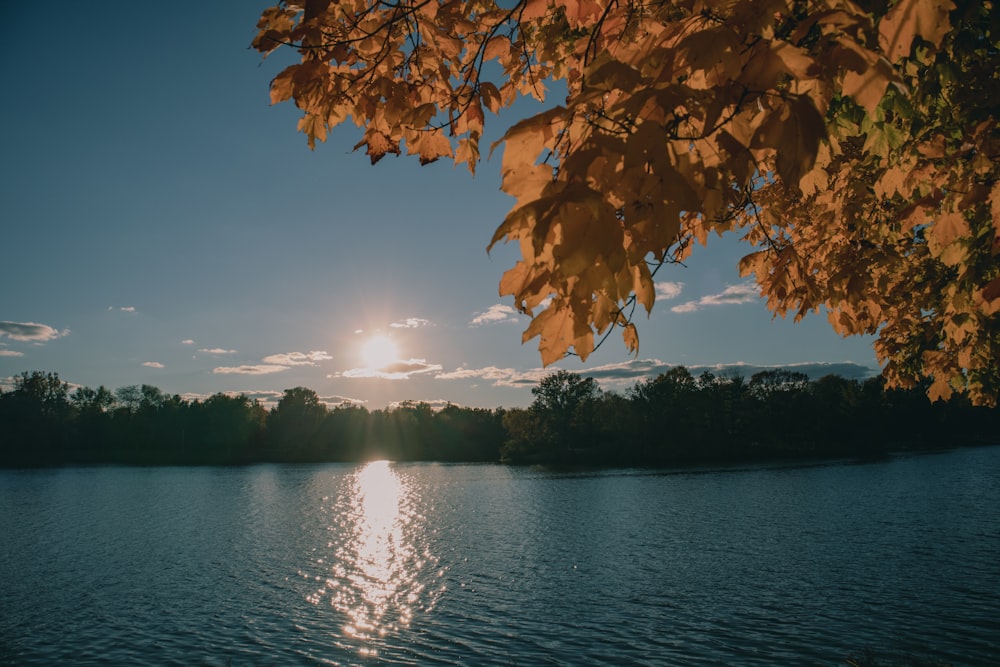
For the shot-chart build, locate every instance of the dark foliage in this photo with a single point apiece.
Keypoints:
(673, 419)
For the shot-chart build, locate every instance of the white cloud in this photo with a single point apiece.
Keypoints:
(297, 358)
(494, 314)
(500, 377)
(410, 323)
(488, 373)
(269, 398)
(397, 370)
(687, 307)
(668, 290)
(436, 404)
(30, 331)
(216, 350)
(11, 353)
(187, 341)
(732, 295)
(336, 401)
(153, 364)
(260, 369)
(743, 293)
(633, 370)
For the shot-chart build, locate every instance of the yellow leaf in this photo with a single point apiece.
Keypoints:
(795, 131)
(554, 327)
(468, 153)
(909, 18)
(496, 47)
(534, 9)
(584, 345)
(525, 140)
(796, 61)
(948, 228)
(940, 390)
(582, 13)
(645, 291)
(868, 87)
(513, 279)
(281, 86)
(378, 145)
(314, 128)
(490, 96)
(954, 254)
(428, 8)
(631, 337)
(526, 182)
(890, 183)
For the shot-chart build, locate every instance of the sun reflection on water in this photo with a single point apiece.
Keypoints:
(377, 577)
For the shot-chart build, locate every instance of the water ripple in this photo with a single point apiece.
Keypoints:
(428, 564)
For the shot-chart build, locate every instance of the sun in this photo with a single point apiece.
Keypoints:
(379, 352)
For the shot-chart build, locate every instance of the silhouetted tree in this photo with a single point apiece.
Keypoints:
(293, 425)
(668, 420)
(93, 436)
(225, 429)
(36, 419)
(563, 418)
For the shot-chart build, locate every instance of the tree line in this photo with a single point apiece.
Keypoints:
(673, 419)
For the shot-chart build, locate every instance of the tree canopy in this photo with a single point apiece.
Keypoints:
(673, 419)
(853, 145)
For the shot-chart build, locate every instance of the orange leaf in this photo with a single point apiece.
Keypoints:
(948, 228)
(795, 131)
(432, 145)
(378, 145)
(281, 86)
(490, 96)
(940, 390)
(429, 8)
(868, 87)
(909, 18)
(631, 337)
(534, 9)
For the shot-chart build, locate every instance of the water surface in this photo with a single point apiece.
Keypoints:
(486, 564)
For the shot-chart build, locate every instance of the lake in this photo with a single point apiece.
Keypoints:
(486, 564)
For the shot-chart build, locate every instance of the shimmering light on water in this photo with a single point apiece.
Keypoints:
(377, 570)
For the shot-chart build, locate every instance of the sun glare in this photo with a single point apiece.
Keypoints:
(379, 352)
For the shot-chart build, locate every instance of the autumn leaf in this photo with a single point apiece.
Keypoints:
(852, 147)
(281, 85)
(911, 18)
(430, 146)
(631, 336)
(868, 87)
(943, 235)
(378, 145)
(795, 132)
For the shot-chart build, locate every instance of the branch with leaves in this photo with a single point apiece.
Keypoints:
(854, 145)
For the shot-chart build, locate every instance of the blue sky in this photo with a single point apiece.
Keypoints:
(163, 224)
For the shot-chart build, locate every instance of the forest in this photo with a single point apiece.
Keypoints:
(673, 419)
